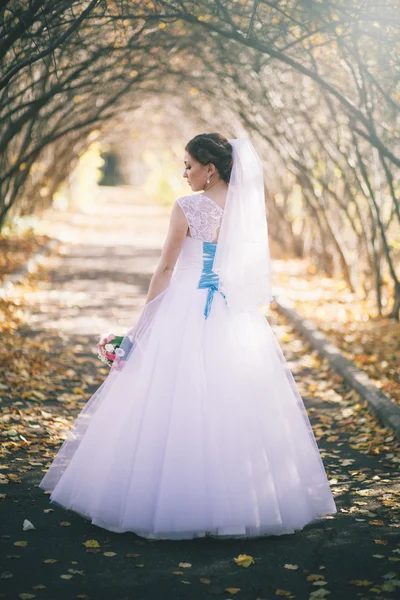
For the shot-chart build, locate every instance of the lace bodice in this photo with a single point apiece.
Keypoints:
(203, 216)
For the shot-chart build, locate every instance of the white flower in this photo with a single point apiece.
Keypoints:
(120, 352)
(109, 347)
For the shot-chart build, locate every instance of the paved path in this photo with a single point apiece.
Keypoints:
(99, 284)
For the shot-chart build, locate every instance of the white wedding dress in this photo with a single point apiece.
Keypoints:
(203, 431)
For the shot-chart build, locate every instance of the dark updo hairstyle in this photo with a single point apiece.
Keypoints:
(212, 148)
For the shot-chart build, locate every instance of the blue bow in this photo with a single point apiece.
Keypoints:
(208, 278)
(211, 291)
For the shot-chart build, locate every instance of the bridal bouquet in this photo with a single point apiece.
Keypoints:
(109, 349)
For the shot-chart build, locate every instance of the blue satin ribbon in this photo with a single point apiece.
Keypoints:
(208, 278)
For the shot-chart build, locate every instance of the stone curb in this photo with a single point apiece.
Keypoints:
(386, 410)
(17, 276)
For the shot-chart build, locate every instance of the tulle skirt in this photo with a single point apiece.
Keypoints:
(203, 432)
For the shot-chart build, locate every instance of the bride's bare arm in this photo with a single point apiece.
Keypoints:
(173, 244)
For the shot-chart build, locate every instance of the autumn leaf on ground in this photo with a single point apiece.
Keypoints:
(314, 577)
(91, 544)
(184, 565)
(284, 593)
(75, 572)
(232, 591)
(291, 567)
(27, 525)
(244, 560)
(50, 561)
(361, 582)
(21, 544)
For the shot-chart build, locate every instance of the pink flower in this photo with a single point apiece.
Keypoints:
(118, 363)
(111, 337)
(110, 356)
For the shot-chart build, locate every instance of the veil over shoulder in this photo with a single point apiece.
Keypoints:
(242, 258)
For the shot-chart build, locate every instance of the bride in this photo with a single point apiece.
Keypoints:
(199, 429)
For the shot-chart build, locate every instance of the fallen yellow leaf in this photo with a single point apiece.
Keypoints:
(232, 591)
(361, 582)
(91, 544)
(21, 544)
(314, 577)
(109, 553)
(244, 560)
